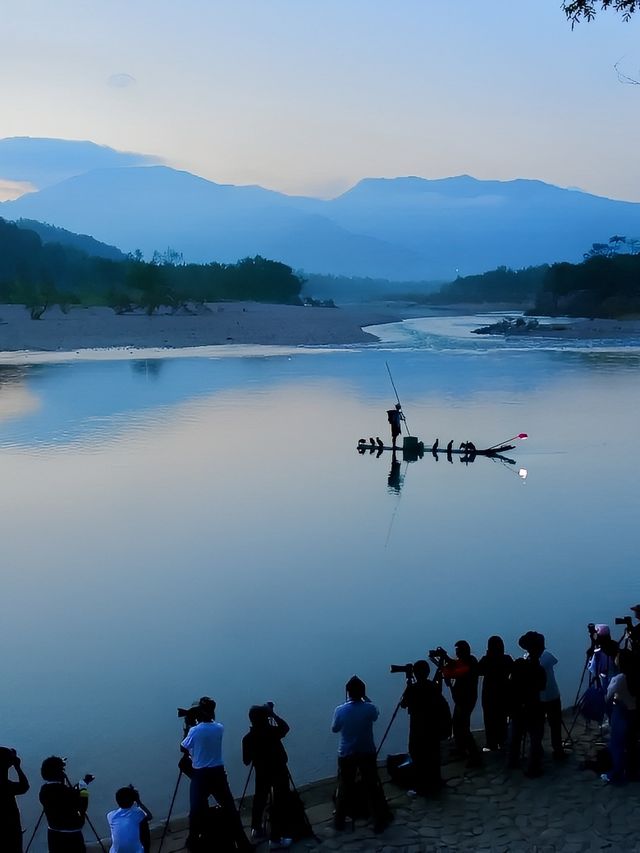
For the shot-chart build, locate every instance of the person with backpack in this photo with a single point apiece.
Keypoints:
(262, 748)
(495, 668)
(423, 700)
(395, 418)
(10, 827)
(353, 721)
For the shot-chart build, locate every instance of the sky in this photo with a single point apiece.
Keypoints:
(309, 96)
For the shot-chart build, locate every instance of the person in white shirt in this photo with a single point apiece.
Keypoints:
(129, 823)
(208, 777)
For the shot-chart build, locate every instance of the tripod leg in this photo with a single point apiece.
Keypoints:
(93, 829)
(393, 716)
(246, 785)
(307, 822)
(173, 800)
(33, 834)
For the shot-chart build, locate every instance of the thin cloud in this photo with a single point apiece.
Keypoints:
(121, 80)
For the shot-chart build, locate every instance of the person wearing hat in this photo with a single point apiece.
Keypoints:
(208, 777)
(10, 827)
(353, 721)
(526, 683)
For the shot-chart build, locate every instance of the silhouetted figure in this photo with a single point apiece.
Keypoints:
(208, 777)
(623, 693)
(262, 747)
(551, 703)
(601, 656)
(394, 480)
(449, 454)
(65, 807)
(354, 720)
(434, 449)
(395, 418)
(422, 700)
(527, 681)
(461, 675)
(379, 442)
(10, 827)
(495, 668)
(129, 823)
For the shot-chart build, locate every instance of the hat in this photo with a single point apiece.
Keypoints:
(356, 687)
(603, 631)
(635, 608)
(532, 642)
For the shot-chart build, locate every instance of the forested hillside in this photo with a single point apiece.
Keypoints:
(39, 274)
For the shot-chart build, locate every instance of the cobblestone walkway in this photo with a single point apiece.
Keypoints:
(485, 810)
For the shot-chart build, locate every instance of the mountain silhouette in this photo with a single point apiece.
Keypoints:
(405, 228)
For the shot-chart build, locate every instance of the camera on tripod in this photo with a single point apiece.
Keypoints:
(625, 620)
(407, 669)
(204, 707)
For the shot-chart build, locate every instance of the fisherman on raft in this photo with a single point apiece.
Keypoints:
(395, 418)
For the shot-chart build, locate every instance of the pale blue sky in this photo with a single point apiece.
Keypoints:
(309, 96)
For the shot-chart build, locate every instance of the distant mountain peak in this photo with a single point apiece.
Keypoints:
(42, 161)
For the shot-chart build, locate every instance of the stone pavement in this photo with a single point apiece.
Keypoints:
(484, 810)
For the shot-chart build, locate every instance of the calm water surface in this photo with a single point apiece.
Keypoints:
(180, 526)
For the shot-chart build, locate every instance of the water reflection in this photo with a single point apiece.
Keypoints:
(212, 531)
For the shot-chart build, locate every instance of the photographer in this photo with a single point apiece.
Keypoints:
(129, 823)
(623, 693)
(10, 827)
(601, 655)
(422, 699)
(495, 668)
(64, 806)
(526, 683)
(354, 720)
(633, 631)
(461, 676)
(262, 747)
(208, 777)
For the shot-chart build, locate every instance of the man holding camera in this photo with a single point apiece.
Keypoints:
(354, 720)
(633, 631)
(208, 777)
(10, 827)
(461, 675)
(129, 823)
(527, 683)
(262, 748)
(64, 806)
(422, 699)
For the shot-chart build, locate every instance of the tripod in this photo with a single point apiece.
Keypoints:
(86, 817)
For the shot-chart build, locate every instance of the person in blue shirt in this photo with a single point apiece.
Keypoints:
(353, 721)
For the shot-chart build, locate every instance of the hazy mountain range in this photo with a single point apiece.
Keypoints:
(399, 228)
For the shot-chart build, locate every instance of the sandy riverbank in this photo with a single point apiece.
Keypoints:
(246, 323)
(221, 323)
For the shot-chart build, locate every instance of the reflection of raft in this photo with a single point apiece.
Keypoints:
(412, 449)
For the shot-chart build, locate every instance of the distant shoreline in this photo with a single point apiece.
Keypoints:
(222, 323)
(245, 323)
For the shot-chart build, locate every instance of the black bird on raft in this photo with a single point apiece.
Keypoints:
(380, 442)
(434, 449)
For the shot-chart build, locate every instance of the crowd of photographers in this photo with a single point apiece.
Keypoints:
(518, 698)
